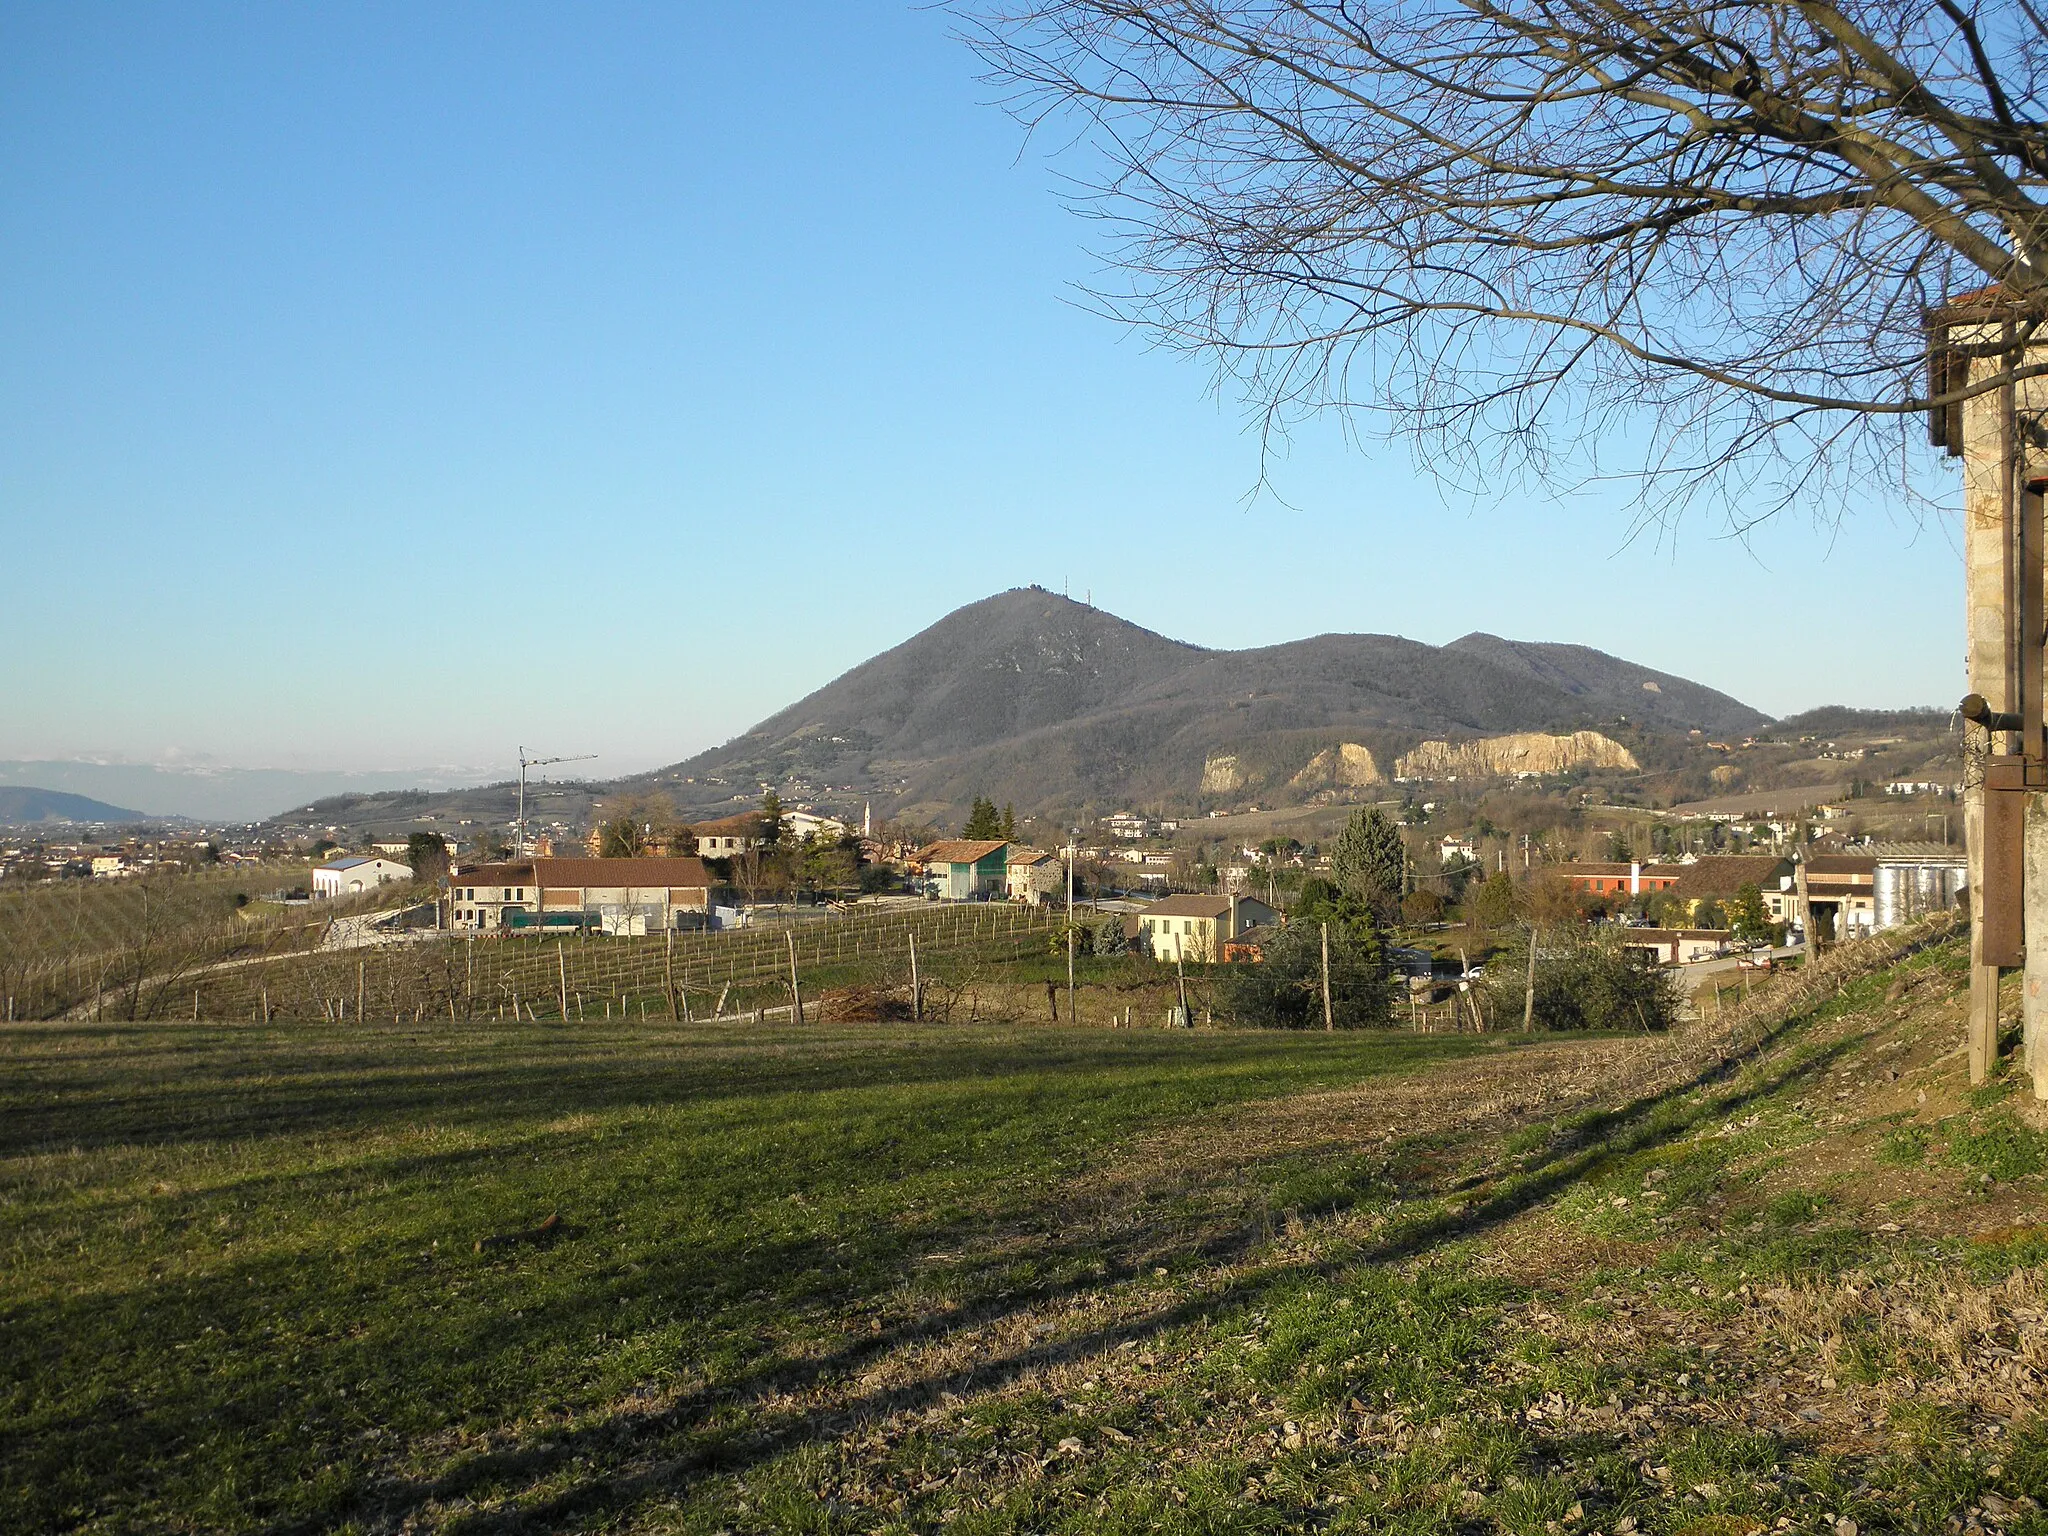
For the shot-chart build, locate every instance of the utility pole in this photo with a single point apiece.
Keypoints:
(525, 763)
(1805, 907)
(1070, 927)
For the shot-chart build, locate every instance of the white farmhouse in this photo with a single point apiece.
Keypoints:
(359, 872)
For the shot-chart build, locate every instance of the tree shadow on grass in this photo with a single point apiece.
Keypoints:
(119, 1414)
(204, 1084)
(663, 1453)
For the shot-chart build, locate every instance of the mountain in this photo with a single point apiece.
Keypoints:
(22, 805)
(1053, 705)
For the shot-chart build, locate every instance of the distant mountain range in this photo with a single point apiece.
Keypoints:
(210, 792)
(1054, 706)
(22, 805)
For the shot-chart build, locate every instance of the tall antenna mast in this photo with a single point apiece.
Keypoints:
(525, 763)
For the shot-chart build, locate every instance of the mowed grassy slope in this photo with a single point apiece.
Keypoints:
(1008, 1281)
(239, 1286)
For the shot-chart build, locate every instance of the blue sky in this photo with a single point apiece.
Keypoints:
(387, 386)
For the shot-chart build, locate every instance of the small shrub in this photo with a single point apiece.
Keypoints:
(1285, 990)
(1905, 1147)
(1583, 981)
(1794, 1207)
(2003, 1148)
(1084, 939)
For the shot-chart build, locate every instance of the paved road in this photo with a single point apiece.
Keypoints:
(1693, 977)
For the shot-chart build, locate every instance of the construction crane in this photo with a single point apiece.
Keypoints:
(525, 763)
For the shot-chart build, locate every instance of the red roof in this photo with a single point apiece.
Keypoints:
(495, 874)
(959, 850)
(747, 824)
(1189, 905)
(583, 874)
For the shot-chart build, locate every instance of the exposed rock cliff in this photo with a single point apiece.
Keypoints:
(1500, 757)
(1221, 776)
(1349, 764)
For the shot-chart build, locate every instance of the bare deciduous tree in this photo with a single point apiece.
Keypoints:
(1692, 239)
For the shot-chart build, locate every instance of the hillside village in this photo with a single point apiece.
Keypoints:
(1686, 843)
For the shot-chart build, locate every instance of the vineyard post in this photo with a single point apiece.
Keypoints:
(668, 967)
(562, 974)
(1529, 987)
(360, 964)
(1329, 1016)
(796, 996)
(916, 986)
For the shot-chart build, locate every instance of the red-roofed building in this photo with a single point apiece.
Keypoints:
(618, 896)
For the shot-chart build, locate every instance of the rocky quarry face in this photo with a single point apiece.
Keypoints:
(1347, 765)
(1502, 757)
(1221, 776)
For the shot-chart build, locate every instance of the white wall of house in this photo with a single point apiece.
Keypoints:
(351, 876)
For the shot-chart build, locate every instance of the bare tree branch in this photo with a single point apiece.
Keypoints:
(1703, 236)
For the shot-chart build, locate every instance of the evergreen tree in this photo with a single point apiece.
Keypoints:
(983, 823)
(1368, 862)
(427, 853)
(1749, 917)
(1009, 832)
(1493, 904)
(773, 827)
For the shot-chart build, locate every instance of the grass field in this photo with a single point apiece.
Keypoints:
(241, 1286)
(880, 1278)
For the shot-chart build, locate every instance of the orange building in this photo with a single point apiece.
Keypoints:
(1617, 879)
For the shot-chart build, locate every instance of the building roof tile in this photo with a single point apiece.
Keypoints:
(1190, 906)
(1719, 876)
(604, 874)
(959, 850)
